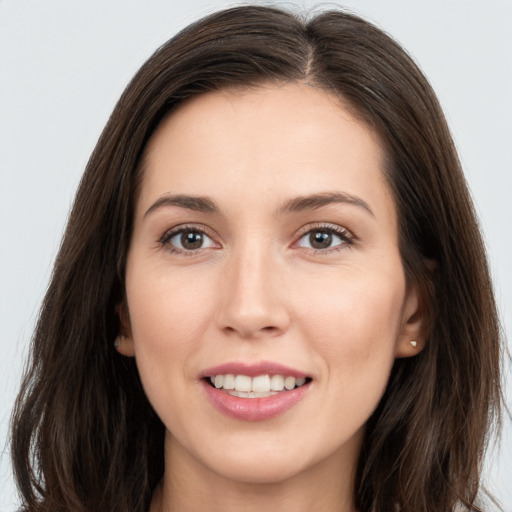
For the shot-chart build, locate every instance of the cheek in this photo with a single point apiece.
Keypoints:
(354, 323)
(369, 305)
(168, 314)
(161, 303)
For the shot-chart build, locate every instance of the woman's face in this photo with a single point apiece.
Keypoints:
(265, 249)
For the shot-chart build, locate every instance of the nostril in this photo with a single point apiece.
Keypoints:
(246, 331)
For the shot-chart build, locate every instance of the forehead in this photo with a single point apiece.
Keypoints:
(272, 140)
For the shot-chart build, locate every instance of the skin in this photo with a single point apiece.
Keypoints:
(256, 290)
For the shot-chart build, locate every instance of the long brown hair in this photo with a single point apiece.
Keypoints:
(84, 436)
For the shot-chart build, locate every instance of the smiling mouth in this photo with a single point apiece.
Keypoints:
(260, 386)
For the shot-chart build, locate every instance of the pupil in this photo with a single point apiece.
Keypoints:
(320, 239)
(192, 239)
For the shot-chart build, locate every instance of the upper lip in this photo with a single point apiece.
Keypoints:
(252, 369)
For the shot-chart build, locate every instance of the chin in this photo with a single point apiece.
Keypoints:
(261, 471)
(257, 462)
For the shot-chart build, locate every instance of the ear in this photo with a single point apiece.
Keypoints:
(124, 342)
(412, 337)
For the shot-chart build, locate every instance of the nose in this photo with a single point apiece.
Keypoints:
(254, 296)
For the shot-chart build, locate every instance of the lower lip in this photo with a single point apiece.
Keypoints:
(254, 409)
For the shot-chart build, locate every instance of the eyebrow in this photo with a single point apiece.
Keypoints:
(194, 203)
(312, 202)
(298, 204)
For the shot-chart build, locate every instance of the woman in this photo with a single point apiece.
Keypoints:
(272, 292)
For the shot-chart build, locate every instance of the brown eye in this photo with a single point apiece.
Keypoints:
(320, 239)
(188, 240)
(325, 239)
(191, 240)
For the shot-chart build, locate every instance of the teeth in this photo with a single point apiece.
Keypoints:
(277, 382)
(243, 383)
(219, 381)
(262, 385)
(251, 394)
(229, 381)
(289, 383)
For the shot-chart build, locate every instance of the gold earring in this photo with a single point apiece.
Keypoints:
(413, 343)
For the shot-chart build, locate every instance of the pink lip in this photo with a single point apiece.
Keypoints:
(253, 409)
(252, 370)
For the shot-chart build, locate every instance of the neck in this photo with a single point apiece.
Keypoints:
(188, 486)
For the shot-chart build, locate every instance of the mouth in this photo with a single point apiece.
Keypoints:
(254, 392)
(260, 386)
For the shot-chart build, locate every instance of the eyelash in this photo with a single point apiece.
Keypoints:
(171, 233)
(347, 238)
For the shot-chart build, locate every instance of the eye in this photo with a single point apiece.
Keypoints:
(187, 240)
(325, 238)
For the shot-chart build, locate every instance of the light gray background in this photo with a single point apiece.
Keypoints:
(64, 63)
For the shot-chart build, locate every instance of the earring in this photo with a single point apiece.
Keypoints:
(413, 343)
(118, 340)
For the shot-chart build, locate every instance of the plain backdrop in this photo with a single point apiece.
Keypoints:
(64, 63)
